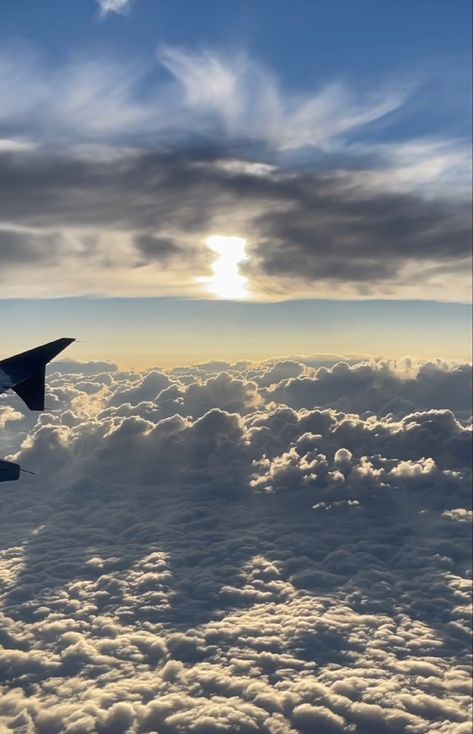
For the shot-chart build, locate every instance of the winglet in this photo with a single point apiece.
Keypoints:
(28, 371)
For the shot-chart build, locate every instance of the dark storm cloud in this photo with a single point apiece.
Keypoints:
(331, 231)
(157, 248)
(134, 192)
(17, 247)
(308, 226)
(167, 251)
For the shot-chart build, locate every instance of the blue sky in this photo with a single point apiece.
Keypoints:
(330, 137)
(320, 38)
(306, 42)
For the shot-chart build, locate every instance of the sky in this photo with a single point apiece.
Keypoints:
(250, 508)
(219, 157)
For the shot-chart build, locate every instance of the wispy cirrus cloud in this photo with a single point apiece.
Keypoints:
(246, 100)
(201, 95)
(219, 99)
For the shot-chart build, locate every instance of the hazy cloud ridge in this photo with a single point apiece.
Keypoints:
(279, 548)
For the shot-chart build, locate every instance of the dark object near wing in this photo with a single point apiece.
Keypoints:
(25, 373)
(9, 472)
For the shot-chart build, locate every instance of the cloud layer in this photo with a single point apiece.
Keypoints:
(137, 224)
(114, 174)
(278, 548)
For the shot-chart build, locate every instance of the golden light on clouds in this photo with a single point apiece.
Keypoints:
(227, 282)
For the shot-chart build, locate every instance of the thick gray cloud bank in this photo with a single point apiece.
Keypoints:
(232, 549)
(139, 220)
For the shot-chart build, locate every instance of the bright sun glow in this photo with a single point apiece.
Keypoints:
(227, 281)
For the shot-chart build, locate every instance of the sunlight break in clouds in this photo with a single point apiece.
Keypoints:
(227, 281)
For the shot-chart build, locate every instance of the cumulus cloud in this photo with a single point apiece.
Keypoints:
(381, 387)
(201, 556)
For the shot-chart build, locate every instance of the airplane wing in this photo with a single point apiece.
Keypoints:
(25, 373)
(9, 472)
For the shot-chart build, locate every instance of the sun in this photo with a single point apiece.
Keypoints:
(227, 282)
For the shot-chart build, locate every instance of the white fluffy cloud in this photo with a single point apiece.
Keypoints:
(199, 555)
(113, 6)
